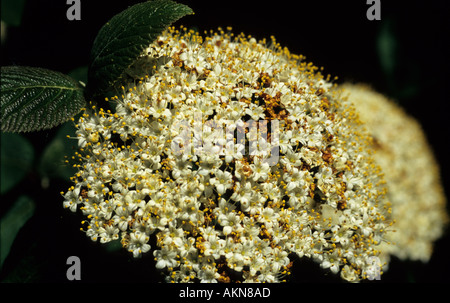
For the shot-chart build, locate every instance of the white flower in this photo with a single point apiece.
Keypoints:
(236, 261)
(349, 274)
(351, 181)
(189, 209)
(186, 247)
(341, 235)
(296, 179)
(138, 244)
(260, 169)
(208, 274)
(165, 257)
(109, 233)
(255, 112)
(324, 177)
(222, 180)
(214, 247)
(266, 275)
(332, 262)
(72, 199)
(302, 246)
(271, 191)
(279, 259)
(236, 110)
(268, 217)
(230, 222)
(193, 60)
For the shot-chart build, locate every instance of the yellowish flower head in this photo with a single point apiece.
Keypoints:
(411, 173)
(235, 156)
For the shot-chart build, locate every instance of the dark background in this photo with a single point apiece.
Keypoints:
(332, 34)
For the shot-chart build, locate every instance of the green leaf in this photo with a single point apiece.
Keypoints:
(16, 160)
(34, 98)
(121, 40)
(79, 73)
(387, 47)
(51, 164)
(12, 222)
(12, 11)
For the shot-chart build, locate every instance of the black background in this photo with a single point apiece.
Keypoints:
(332, 34)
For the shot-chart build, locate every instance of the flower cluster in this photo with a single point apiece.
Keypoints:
(411, 173)
(234, 155)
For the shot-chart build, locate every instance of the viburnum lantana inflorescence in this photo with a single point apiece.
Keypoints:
(411, 172)
(235, 155)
